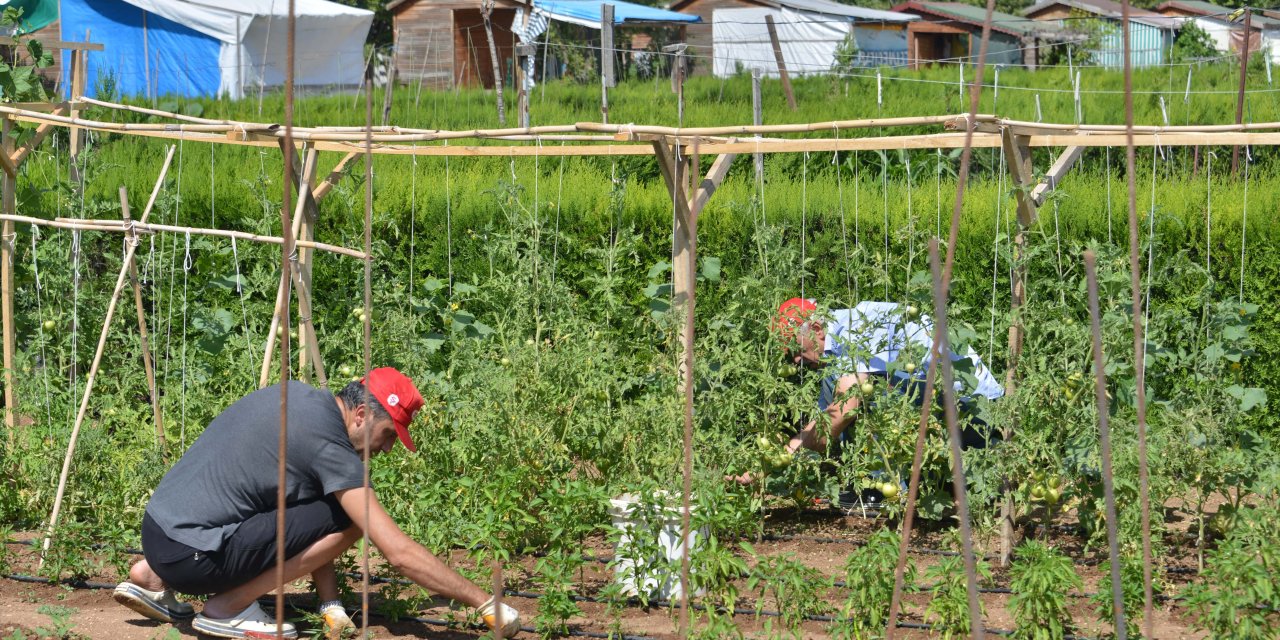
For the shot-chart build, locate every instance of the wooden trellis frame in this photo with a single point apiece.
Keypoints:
(673, 148)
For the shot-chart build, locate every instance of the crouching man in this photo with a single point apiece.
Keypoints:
(210, 527)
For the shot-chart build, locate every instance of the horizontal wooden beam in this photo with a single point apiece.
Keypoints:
(1055, 173)
(59, 44)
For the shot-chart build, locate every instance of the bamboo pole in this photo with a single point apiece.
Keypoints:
(486, 9)
(282, 301)
(151, 227)
(9, 202)
(93, 371)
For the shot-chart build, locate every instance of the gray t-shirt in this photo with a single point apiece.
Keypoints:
(230, 473)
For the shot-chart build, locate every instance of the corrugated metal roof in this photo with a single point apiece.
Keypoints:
(1217, 12)
(976, 16)
(1109, 9)
(839, 9)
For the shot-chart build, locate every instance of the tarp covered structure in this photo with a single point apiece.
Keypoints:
(180, 47)
(587, 12)
(809, 32)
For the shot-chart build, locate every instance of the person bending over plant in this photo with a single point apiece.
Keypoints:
(874, 342)
(210, 526)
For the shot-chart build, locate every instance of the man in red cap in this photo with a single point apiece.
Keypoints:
(210, 527)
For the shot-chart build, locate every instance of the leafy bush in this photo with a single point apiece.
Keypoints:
(1040, 578)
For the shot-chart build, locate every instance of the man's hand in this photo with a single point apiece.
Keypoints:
(501, 616)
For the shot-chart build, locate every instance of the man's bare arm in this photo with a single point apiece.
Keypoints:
(408, 557)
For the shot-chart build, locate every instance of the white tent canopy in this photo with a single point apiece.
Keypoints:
(329, 39)
(809, 32)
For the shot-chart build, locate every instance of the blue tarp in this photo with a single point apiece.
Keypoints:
(587, 12)
(178, 59)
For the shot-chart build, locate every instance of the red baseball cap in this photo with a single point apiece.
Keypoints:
(398, 396)
(792, 314)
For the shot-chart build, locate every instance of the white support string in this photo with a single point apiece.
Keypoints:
(1151, 245)
(1208, 212)
(884, 190)
(75, 322)
(1039, 113)
(1244, 221)
(804, 211)
(448, 222)
(244, 314)
(44, 361)
(413, 219)
(911, 225)
(844, 225)
(857, 190)
(995, 257)
(186, 270)
(1109, 239)
(555, 243)
(173, 266)
(937, 232)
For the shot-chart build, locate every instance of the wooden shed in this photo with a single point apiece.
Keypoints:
(1151, 35)
(442, 43)
(953, 30)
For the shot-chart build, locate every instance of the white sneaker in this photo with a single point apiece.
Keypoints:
(253, 622)
(157, 605)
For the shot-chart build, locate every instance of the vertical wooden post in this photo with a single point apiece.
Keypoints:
(6, 284)
(782, 63)
(389, 90)
(757, 118)
(1244, 74)
(307, 345)
(1018, 153)
(132, 237)
(78, 76)
(606, 58)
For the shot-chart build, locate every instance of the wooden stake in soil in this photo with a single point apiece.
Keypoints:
(486, 9)
(132, 238)
(953, 429)
(93, 370)
(286, 253)
(1244, 74)
(781, 62)
(1104, 430)
(606, 58)
(7, 234)
(943, 283)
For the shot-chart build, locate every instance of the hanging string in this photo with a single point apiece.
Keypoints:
(1244, 222)
(555, 246)
(857, 189)
(1109, 195)
(804, 210)
(44, 360)
(937, 232)
(1151, 245)
(186, 270)
(75, 321)
(448, 222)
(884, 191)
(844, 225)
(213, 202)
(911, 225)
(173, 257)
(413, 219)
(995, 256)
(1208, 210)
(244, 314)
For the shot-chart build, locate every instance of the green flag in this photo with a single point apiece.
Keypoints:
(36, 14)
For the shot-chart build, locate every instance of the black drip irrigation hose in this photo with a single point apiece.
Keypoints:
(436, 622)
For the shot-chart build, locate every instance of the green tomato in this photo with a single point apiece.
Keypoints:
(909, 367)
(49, 325)
(1051, 496)
(783, 460)
(506, 362)
(763, 442)
(363, 318)
(346, 370)
(357, 312)
(890, 491)
(1038, 492)
(867, 388)
(787, 370)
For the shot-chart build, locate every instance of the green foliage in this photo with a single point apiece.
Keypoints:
(797, 590)
(869, 577)
(1192, 43)
(1130, 591)
(846, 55)
(948, 609)
(555, 580)
(60, 625)
(1239, 596)
(1041, 577)
(20, 82)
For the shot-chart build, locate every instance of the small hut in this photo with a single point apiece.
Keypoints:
(443, 43)
(953, 31)
(1151, 35)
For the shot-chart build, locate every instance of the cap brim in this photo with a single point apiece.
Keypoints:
(403, 432)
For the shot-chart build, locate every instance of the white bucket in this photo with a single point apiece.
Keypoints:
(662, 581)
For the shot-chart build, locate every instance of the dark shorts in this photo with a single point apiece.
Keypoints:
(249, 552)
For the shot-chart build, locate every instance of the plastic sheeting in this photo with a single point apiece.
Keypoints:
(740, 40)
(178, 47)
(587, 12)
(36, 14)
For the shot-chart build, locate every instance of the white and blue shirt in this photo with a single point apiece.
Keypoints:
(873, 335)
